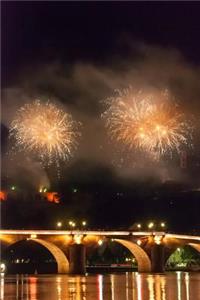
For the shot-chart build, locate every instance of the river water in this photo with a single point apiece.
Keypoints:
(126, 286)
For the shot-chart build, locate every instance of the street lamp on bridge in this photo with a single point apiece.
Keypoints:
(81, 224)
(151, 225)
(59, 224)
(156, 225)
(84, 223)
(72, 224)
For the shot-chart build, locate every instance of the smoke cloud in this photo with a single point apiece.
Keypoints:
(81, 88)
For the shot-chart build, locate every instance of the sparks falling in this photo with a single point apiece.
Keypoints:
(139, 122)
(45, 130)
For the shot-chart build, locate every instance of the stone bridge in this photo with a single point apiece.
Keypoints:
(150, 249)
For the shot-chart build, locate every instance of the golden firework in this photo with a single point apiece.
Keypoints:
(138, 121)
(45, 130)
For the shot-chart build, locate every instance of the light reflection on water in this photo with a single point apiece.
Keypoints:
(128, 286)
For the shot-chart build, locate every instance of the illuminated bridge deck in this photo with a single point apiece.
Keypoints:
(98, 233)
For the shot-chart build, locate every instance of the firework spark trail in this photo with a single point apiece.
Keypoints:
(139, 122)
(45, 130)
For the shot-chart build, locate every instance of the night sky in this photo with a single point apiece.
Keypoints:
(77, 54)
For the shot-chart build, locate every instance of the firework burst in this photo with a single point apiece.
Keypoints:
(45, 130)
(139, 122)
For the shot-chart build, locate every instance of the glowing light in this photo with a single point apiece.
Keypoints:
(72, 223)
(100, 242)
(78, 238)
(179, 292)
(151, 225)
(2, 287)
(44, 130)
(187, 281)
(100, 287)
(158, 239)
(84, 223)
(126, 259)
(142, 122)
(179, 249)
(3, 196)
(151, 287)
(129, 259)
(33, 288)
(53, 197)
(139, 225)
(13, 188)
(139, 286)
(43, 190)
(162, 224)
(33, 236)
(2, 267)
(59, 288)
(59, 224)
(139, 242)
(163, 288)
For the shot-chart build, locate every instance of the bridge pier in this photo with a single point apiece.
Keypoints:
(77, 259)
(157, 258)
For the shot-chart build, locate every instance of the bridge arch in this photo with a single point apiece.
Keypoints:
(180, 248)
(57, 253)
(143, 260)
(195, 246)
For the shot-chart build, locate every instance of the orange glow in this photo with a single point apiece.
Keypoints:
(33, 288)
(90, 240)
(7, 239)
(52, 197)
(3, 196)
(62, 240)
